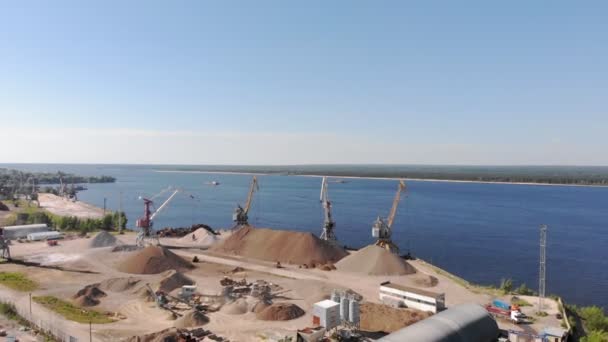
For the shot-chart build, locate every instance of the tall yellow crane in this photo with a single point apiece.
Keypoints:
(382, 229)
(240, 214)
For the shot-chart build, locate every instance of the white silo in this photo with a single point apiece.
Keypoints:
(354, 312)
(344, 308)
(335, 296)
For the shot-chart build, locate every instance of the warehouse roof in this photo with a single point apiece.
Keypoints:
(410, 289)
(461, 323)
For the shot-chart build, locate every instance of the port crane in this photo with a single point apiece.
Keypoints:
(328, 223)
(240, 214)
(382, 228)
(146, 222)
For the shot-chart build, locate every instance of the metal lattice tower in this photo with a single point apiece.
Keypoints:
(542, 266)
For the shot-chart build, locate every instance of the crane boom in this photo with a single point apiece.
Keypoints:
(162, 206)
(254, 186)
(328, 224)
(391, 216)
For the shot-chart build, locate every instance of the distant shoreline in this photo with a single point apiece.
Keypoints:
(380, 178)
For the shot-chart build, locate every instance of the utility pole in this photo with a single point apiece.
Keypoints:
(542, 266)
(120, 213)
(31, 318)
(104, 205)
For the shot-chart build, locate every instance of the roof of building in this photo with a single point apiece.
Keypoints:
(26, 226)
(461, 323)
(411, 289)
(326, 303)
(554, 331)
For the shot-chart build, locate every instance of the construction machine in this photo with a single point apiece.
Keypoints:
(328, 223)
(382, 228)
(146, 222)
(240, 214)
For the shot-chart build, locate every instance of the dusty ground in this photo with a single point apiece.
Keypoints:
(64, 207)
(12, 329)
(303, 287)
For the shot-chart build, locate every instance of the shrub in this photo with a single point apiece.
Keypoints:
(506, 285)
(524, 290)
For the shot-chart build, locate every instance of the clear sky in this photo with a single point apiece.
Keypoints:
(286, 82)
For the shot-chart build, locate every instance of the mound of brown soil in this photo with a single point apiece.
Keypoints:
(280, 245)
(119, 284)
(173, 280)
(170, 334)
(280, 312)
(426, 281)
(90, 290)
(378, 317)
(374, 260)
(237, 307)
(191, 319)
(153, 260)
(88, 295)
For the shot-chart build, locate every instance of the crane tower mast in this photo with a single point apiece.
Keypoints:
(382, 228)
(328, 223)
(240, 216)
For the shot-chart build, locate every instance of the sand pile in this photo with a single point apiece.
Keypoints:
(280, 312)
(374, 260)
(280, 245)
(201, 237)
(191, 319)
(173, 280)
(103, 239)
(119, 284)
(153, 260)
(237, 307)
(378, 317)
(89, 295)
(169, 334)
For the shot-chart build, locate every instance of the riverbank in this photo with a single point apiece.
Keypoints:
(60, 206)
(381, 178)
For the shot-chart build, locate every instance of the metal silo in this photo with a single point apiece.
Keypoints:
(344, 308)
(335, 296)
(354, 312)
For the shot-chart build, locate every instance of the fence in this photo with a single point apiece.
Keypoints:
(43, 320)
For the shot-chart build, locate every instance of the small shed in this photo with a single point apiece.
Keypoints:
(326, 313)
(461, 323)
(20, 232)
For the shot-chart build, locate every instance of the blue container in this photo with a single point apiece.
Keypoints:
(500, 304)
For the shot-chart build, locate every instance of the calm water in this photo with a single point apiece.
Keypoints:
(481, 232)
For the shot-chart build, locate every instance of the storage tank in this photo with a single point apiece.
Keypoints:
(335, 297)
(353, 312)
(344, 308)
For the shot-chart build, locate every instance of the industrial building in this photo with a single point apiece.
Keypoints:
(461, 323)
(403, 296)
(40, 236)
(326, 313)
(21, 232)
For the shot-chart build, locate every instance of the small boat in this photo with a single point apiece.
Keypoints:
(214, 183)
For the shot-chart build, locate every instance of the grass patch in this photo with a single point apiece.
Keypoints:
(8, 311)
(17, 281)
(71, 312)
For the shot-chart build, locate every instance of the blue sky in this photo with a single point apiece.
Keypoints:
(381, 81)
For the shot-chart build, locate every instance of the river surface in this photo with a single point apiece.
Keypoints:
(481, 232)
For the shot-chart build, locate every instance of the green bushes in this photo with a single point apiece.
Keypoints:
(17, 281)
(73, 223)
(71, 312)
(506, 285)
(594, 321)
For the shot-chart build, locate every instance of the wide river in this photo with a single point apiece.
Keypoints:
(481, 232)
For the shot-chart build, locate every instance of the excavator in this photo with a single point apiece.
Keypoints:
(240, 214)
(145, 222)
(382, 228)
(328, 224)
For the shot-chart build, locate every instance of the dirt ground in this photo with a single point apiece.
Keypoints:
(64, 207)
(83, 265)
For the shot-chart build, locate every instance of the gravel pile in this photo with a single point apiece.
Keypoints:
(374, 260)
(280, 245)
(153, 260)
(103, 239)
